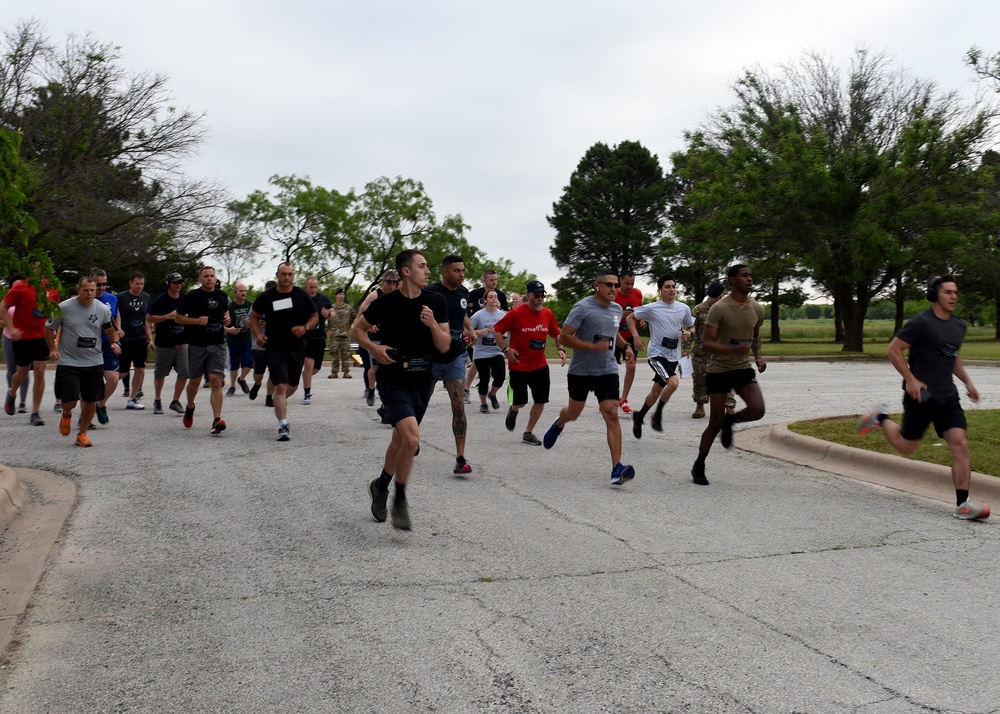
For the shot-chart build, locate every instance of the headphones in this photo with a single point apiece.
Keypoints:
(932, 289)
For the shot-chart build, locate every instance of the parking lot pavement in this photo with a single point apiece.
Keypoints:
(235, 573)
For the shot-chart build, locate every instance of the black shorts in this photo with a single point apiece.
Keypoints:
(917, 416)
(316, 349)
(620, 351)
(33, 349)
(663, 369)
(259, 361)
(537, 380)
(80, 383)
(285, 367)
(604, 387)
(402, 402)
(722, 382)
(134, 352)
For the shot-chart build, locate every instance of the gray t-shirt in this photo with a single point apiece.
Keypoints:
(80, 329)
(592, 322)
(486, 346)
(665, 324)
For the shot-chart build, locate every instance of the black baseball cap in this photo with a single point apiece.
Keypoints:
(535, 287)
(174, 278)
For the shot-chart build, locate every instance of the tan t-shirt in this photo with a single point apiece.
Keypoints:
(736, 324)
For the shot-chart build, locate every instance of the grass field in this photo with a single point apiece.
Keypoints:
(984, 439)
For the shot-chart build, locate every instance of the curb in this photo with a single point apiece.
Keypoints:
(896, 472)
(11, 496)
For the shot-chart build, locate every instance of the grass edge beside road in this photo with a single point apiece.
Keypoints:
(983, 427)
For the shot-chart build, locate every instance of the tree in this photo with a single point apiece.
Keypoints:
(237, 244)
(104, 148)
(611, 215)
(859, 173)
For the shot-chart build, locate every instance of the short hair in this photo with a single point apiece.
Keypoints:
(627, 274)
(451, 260)
(312, 277)
(604, 272)
(664, 278)
(135, 274)
(284, 262)
(84, 279)
(404, 259)
(734, 270)
(390, 274)
(270, 284)
(488, 273)
(98, 273)
(203, 268)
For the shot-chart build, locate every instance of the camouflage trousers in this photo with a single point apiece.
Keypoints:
(340, 351)
(699, 365)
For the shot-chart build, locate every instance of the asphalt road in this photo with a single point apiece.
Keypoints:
(238, 574)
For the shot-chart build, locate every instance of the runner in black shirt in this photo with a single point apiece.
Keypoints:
(171, 343)
(413, 327)
(133, 306)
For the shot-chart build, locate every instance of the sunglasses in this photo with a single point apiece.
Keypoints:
(101, 285)
(391, 282)
(176, 282)
(608, 285)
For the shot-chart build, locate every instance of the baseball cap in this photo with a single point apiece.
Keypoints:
(535, 287)
(174, 278)
(715, 289)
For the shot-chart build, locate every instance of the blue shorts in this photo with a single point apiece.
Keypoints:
(111, 361)
(240, 356)
(447, 371)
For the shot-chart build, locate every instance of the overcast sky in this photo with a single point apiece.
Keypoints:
(490, 105)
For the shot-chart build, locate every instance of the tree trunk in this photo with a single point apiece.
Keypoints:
(996, 312)
(838, 321)
(900, 304)
(854, 324)
(775, 311)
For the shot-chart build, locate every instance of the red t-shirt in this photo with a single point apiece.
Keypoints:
(633, 300)
(528, 330)
(27, 318)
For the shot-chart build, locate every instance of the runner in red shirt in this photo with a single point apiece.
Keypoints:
(27, 330)
(629, 298)
(527, 326)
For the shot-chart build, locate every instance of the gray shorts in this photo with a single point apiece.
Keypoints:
(168, 358)
(207, 359)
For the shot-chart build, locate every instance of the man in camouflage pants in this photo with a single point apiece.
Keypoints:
(699, 360)
(340, 341)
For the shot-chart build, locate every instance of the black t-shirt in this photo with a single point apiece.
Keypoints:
(457, 302)
(201, 303)
(283, 311)
(319, 332)
(477, 300)
(167, 333)
(934, 345)
(133, 310)
(399, 326)
(238, 315)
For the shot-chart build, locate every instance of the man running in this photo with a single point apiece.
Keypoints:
(315, 344)
(591, 331)
(629, 298)
(79, 356)
(205, 312)
(171, 343)
(527, 327)
(238, 341)
(27, 333)
(133, 306)
(390, 280)
(670, 325)
(450, 367)
(413, 325)
(112, 358)
(932, 340)
(289, 313)
(732, 338)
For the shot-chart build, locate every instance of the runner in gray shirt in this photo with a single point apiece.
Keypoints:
(591, 331)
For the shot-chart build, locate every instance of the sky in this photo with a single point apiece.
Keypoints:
(489, 105)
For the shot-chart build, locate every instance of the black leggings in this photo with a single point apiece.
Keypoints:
(495, 365)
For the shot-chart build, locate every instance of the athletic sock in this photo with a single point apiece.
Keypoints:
(659, 409)
(961, 496)
(400, 491)
(383, 481)
(282, 423)
(307, 393)
(643, 411)
(702, 455)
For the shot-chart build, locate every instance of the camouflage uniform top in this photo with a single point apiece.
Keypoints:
(340, 320)
(700, 313)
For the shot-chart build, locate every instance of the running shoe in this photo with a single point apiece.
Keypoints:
(157, 406)
(218, 426)
(370, 397)
(134, 404)
(243, 385)
(231, 392)
(83, 440)
(484, 409)
(621, 473)
(656, 422)
(969, 511)
(698, 473)
(553, 432)
(307, 400)
(175, 406)
(139, 395)
(10, 406)
(206, 384)
(57, 407)
(253, 391)
(102, 414)
(726, 436)
(283, 434)
(530, 438)
(379, 497)
(623, 403)
(36, 420)
(511, 421)
(872, 419)
(400, 514)
(65, 424)
(468, 400)
(188, 417)
(637, 425)
(462, 466)
(494, 402)
(22, 408)
(268, 401)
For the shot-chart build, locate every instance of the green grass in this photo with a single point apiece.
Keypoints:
(984, 439)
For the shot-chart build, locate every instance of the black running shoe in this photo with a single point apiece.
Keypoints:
(726, 437)
(253, 391)
(698, 473)
(636, 425)
(656, 422)
(511, 421)
(379, 497)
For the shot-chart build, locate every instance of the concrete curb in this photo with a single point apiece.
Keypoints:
(896, 472)
(11, 496)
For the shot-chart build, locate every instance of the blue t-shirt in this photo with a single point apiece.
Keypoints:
(112, 302)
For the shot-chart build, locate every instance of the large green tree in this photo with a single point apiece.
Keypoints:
(858, 172)
(611, 215)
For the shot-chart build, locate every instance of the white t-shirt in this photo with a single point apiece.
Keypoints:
(665, 324)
